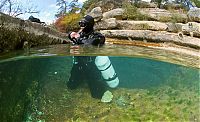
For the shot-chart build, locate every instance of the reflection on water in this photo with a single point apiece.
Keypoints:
(33, 88)
(109, 50)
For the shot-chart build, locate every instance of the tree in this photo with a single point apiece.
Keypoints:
(73, 6)
(3, 3)
(65, 7)
(197, 3)
(68, 15)
(15, 8)
(62, 8)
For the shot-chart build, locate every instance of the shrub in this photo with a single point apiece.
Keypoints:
(131, 12)
(68, 22)
(178, 18)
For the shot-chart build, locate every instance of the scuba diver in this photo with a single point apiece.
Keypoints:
(96, 71)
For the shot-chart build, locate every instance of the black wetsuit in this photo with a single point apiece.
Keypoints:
(84, 68)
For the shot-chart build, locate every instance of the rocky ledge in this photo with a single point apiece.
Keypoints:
(17, 33)
(164, 28)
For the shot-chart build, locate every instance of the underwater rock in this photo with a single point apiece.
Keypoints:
(107, 97)
(124, 100)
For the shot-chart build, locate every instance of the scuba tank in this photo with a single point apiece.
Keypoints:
(104, 65)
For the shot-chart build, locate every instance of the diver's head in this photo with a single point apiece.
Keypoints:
(87, 23)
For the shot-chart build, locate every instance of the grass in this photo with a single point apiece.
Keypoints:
(131, 12)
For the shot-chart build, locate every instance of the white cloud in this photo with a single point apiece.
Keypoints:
(53, 6)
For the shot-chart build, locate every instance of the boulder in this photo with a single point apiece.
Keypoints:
(174, 27)
(110, 23)
(191, 28)
(194, 14)
(115, 13)
(96, 13)
(163, 15)
(141, 25)
(154, 36)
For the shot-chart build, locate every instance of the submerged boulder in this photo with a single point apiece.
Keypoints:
(107, 97)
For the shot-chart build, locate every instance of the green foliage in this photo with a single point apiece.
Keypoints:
(197, 3)
(178, 18)
(158, 2)
(131, 12)
(105, 5)
(68, 22)
(88, 4)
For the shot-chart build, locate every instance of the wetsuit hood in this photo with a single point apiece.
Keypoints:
(88, 23)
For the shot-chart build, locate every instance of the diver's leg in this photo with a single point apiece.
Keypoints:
(95, 82)
(76, 77)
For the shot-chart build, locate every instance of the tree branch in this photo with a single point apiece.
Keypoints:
(3, 4)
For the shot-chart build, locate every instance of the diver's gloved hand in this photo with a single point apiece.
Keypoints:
(74, 37)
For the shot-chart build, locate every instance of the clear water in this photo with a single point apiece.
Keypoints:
(33, 86)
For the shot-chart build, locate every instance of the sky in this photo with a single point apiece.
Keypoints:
(47, 9)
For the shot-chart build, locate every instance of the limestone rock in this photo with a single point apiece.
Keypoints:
(155, 36)
(141, 25)
(107, 97)
(174, 27)
(162, 14)
(106, 24)
(191, 28)
(96, 13)
(194, 14)
(115, 13)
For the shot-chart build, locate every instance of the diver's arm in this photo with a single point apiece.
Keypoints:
(97, 39)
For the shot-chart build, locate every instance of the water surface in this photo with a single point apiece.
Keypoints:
(33, 86)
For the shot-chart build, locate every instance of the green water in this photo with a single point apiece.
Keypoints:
(33, 87)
